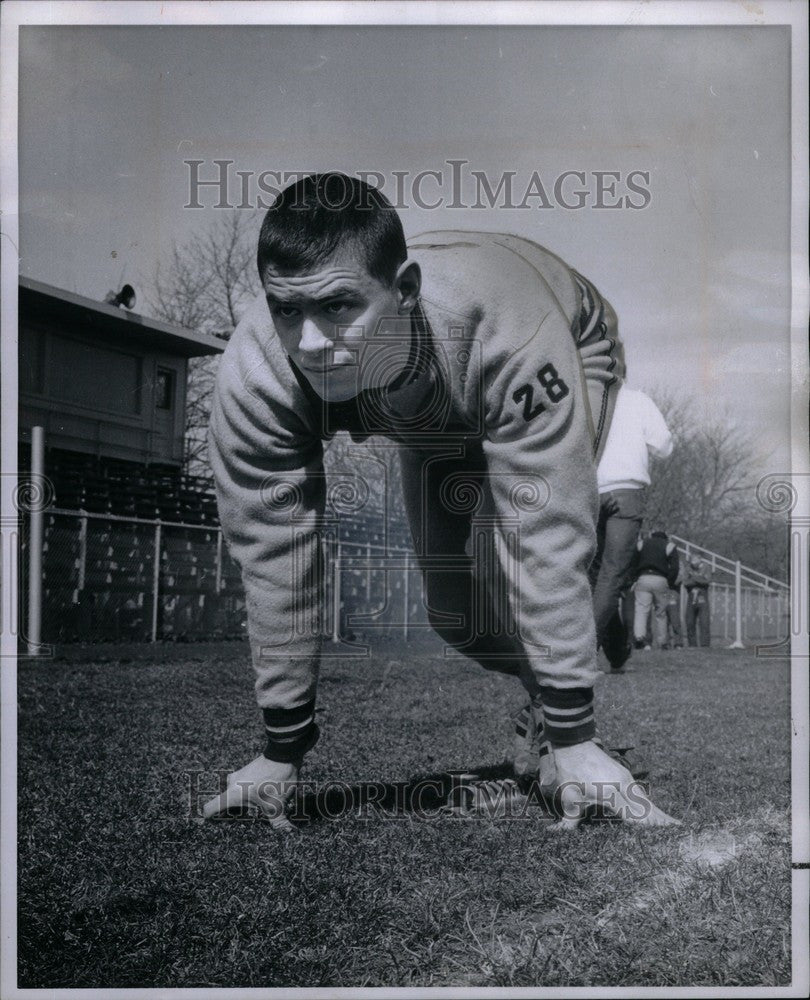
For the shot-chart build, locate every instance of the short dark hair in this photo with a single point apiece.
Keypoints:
(312, 218)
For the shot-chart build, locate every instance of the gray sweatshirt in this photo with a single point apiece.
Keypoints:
(525, 359)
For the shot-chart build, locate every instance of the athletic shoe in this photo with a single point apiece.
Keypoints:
(617, 644)
(618, 659)
(532, 757)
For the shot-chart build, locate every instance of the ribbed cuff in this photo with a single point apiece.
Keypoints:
(568, 714)
(291, 732)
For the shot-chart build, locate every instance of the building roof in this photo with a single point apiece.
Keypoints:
(40, 300)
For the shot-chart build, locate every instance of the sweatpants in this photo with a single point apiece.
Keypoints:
(652, 591)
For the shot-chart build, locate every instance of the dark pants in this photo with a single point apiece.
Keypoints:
(466, 593)
(698, 615)
(620, 515)
(674, 618)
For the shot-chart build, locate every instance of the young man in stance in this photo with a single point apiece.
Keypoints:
(494, 367)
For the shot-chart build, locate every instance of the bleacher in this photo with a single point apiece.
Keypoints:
(128, 489)
(99, 572)
(359, 531)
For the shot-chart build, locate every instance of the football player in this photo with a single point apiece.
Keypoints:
(494, 366)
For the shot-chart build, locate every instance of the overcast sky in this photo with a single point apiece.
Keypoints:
(699, 277)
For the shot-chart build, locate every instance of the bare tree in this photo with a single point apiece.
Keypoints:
(205, 285)
(706, 490)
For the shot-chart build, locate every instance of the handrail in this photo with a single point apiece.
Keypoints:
(748, 575)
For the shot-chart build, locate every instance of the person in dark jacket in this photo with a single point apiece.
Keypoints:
(657, 568)
(696, 579)
(675, 640)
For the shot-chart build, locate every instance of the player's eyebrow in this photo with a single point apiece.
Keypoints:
(339, 291)
(347, 291)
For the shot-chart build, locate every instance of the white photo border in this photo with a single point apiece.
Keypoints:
(17, 13)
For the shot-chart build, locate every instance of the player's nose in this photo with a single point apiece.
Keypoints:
(313, 342)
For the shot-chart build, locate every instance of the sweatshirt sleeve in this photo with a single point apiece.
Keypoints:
(268, 471)
(543, 483)
(656, 432)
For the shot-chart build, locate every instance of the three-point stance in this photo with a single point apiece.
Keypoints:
(494, 366)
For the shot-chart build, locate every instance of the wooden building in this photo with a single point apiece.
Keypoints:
(109, 388)
(101, 380)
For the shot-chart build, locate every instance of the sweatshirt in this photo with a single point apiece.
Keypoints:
(511, 351)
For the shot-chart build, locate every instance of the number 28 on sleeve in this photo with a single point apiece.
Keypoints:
(550, 381)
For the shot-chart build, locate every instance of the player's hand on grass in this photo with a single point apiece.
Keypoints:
(589, 779)
(266, 784)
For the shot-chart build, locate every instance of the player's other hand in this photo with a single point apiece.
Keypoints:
(266, 784)
(587, 778)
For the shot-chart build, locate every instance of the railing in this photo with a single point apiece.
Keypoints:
(743, 575)
(110, 577)
(751, 577)
(106, 576)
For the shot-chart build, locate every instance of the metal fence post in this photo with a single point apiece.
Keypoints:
(406, 596)
(218, 583)
(368, 572)
(156, 582)
(336, 594)
(738, 643)
(82, 552)
(36, 524)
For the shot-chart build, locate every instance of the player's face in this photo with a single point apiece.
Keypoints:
(336, 323)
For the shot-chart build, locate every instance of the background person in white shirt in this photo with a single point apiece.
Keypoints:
(637, 431)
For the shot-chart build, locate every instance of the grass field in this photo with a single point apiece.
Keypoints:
(119, 886)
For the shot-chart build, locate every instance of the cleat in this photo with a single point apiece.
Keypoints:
(532, 756)
(532, 752)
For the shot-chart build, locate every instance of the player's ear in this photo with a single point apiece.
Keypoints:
(408, 283)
